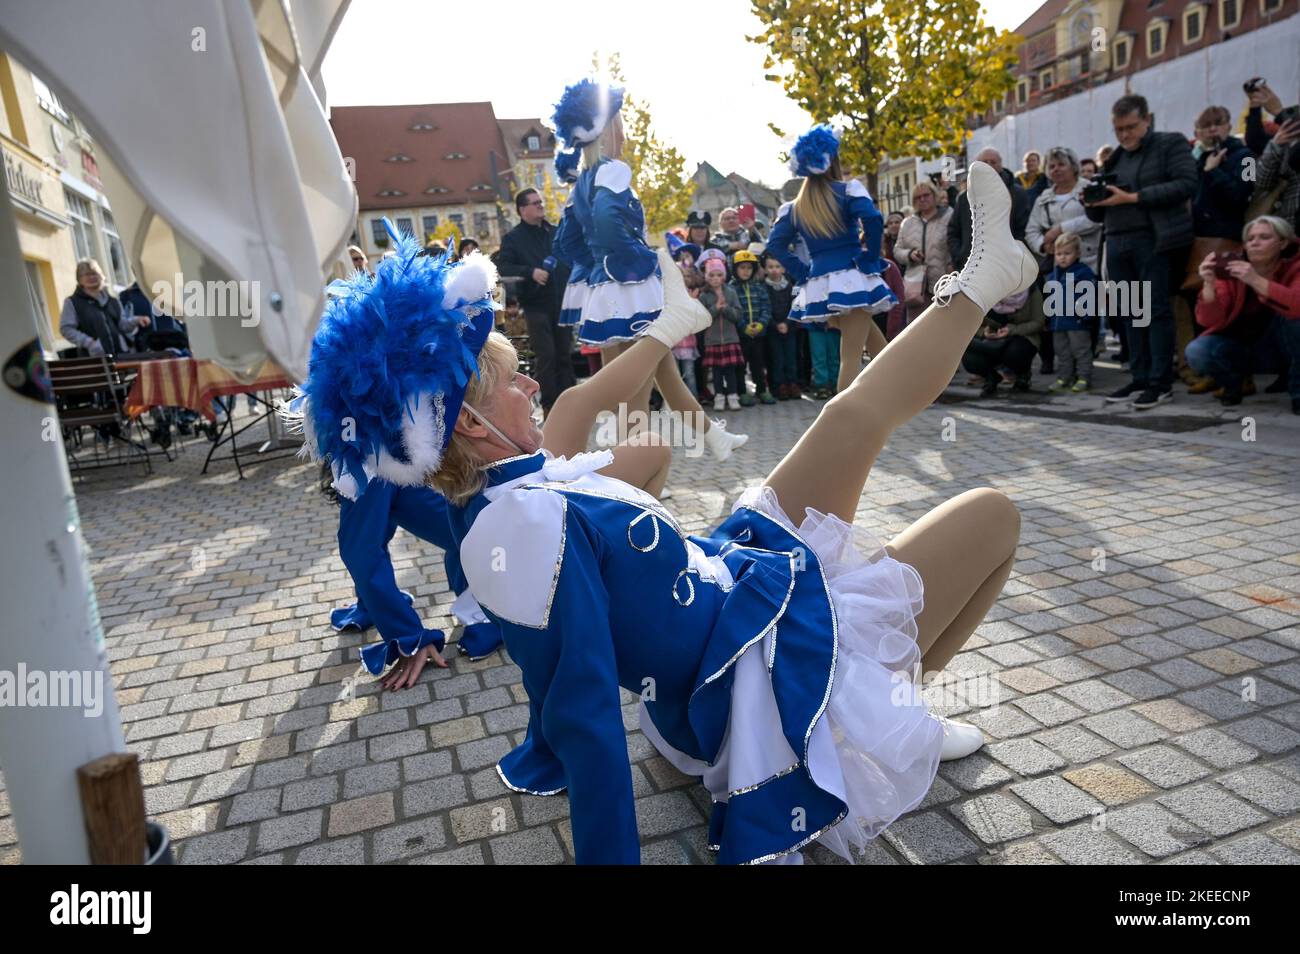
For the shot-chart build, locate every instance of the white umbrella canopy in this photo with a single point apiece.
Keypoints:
(215, 151)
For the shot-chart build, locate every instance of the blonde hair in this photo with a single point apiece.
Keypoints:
(1281, 228)
(816, 211)
(89, 265)
(461, 475)
(602, 145)
(1068, 240)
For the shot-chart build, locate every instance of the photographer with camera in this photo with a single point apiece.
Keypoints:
(1143, 197)
(1250, 309)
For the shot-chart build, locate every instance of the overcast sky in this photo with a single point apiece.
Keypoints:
(689, 61)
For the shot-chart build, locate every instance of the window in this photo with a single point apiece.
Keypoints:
(436, 190)
(82, 225)
(46, 99)
(534, 143)
(458, 221)
(399, 157)
(999, 106)
(1022, 92)
(421, 127)
(481, 224)
(1156, 34)
(389, 193)
(405, 227)
(455, 155)
(1229, 14)
(1194, 23)
(36, 292)
(539, 178)
(1269, 6)
(378, 234)
(430, 224)
(119, 270)
(1045, 79)
(1122, 51)
(481, 187)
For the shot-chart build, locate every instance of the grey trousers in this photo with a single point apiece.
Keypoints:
(1073, 355)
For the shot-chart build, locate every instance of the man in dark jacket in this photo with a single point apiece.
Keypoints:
(525, 256)
(1148, 221)
(959, 222)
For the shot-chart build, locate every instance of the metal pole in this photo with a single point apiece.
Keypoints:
(52, 646)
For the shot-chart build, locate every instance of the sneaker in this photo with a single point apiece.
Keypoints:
(719, 402)
(720, 442)
(733, 402)
(1080, 386)
(747, 400)
(1060, 384)
(998, 265)
(1230, 398)
(990, 387)
(822, 394)
(960, 739)
(766, 398)
(1020, 384)
(1126, 393)
(1151, 397)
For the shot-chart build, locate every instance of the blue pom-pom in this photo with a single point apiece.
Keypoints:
(814, 151)
(583, 111)
(566, 165)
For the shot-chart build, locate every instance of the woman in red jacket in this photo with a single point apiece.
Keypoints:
(1250, 310)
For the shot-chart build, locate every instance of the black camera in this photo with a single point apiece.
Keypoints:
(1096, 190)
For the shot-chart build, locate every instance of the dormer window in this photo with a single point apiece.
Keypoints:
(1194, 23)
(421, 127)
(1157, 34)
(455, 155)
(534, 143)
(1123, 51)
(1229, 14)
(481, 187)
(399, 157)
(389, 193)
(436, 190)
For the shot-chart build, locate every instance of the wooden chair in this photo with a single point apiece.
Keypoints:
(90, 392)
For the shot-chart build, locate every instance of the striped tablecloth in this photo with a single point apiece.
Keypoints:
(190, 383)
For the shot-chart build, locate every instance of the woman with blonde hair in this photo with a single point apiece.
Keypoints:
(771, 657)
(602, 238)
(841, 231)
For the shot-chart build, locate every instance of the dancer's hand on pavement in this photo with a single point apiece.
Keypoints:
(408, 668)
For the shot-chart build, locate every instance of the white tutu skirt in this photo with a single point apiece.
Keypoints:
(879, 744)
(575, 299)
(617, 311)
(820, 297)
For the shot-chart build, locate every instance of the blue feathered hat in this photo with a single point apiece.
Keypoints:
(390, 363)
(814, 151)
(581, 115)
(676, 246)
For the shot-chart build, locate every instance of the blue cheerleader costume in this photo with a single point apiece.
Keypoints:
(841, 275)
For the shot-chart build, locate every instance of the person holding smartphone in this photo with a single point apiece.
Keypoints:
(1250, 309)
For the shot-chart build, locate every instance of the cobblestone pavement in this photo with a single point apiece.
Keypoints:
(1146, 649)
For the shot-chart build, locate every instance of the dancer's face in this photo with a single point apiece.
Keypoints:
(509, 407)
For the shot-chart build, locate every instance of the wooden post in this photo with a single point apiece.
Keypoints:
(112, 799)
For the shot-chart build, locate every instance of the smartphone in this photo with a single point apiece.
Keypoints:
(1252, 84)
(1221, 261)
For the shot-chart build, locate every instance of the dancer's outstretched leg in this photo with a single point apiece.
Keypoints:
(829, 465)
(679, 399)
(569, 424)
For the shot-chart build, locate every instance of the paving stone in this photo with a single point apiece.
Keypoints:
(994, 818)
(1164, 765)
(974, 773)
(1081, 845)
(1213, 809)
(1108, 783)
(219, 848)
(1124, 728)
(435, 795)
(408, 840)
(1211, 745)
(928, 839)
(1154, 830)
(289, 830)
(310, 793)
(535, 846)
(345, 851)
(359, 814)
(1026, 757)
(1263, 788)
(1057, 799)
(1255, 849)
(1264, 735)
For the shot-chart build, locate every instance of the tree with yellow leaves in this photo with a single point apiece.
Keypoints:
(901, 76)
(659, 176)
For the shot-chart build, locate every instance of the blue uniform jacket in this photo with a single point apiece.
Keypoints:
(861, 219)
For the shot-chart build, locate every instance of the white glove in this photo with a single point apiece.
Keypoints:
(682, 315)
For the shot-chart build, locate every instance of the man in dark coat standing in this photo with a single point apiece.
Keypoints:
(525, 255)
(959, 223)
(1148, 220)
